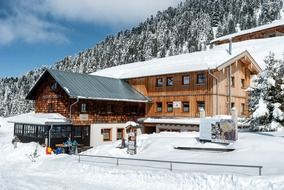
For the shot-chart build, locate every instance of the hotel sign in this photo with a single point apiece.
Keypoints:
(84, 117)
(177, 104)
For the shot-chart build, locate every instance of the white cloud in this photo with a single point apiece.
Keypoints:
(36, 21)
(23, 25)
(107, 11)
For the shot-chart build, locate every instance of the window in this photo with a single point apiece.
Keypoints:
(232, 104)
(243, 83)
(54, 86)
(106, 134)
(41, 131)
(242, 108)
(159, 82)
(185, 106)
(50, 107)
(200, 78)
(85, 132)
(109, 109)
(56, 132)
(60, 131)
(170, 107)
(18, 129)
(201, 105)
(119, 134)
(83, 107)
(170, 81)
(130, 109)
(159, 107)
(185, 80)
(65, 131)
(29, 131)
(232, 81)
(77, 132)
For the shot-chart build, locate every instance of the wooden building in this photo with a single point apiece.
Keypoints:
(274, 29)
(162, 94)
(180, 86)
(82, 100)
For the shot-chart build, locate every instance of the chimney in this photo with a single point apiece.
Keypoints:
(230, 46)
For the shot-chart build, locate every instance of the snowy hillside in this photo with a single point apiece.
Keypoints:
(186, 28)
(63, 172)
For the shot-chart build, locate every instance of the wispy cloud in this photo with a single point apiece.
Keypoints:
(107, 11)
(18, 23)
(29, 28)
(41, 21)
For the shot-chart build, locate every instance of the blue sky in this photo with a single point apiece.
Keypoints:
(40, 32)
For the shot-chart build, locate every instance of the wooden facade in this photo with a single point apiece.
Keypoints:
(265, 33)
(191, 96)
(51, 98)
(178, 92)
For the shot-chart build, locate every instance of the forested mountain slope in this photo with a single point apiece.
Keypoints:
(186, 28)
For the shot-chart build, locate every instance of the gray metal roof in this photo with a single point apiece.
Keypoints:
(86, 86)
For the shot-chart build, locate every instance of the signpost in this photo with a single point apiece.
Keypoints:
(131, 143)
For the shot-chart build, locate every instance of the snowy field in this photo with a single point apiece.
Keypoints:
(64, 172)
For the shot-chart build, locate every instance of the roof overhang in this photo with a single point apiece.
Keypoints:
(111, 99)
(254, 67)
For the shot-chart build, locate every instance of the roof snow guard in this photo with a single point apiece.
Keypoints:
(84, 86)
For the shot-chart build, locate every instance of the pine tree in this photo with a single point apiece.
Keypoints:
(266, 97)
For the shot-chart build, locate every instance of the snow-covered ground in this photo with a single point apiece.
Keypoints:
(65, 172)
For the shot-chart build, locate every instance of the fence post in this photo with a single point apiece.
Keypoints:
(79, 157)
(259, 171)
(117, 162)
(171, 166)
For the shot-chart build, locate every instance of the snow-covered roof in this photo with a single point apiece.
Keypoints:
(259, 48)
(197, 61)
(275, 23)
(39, 119)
